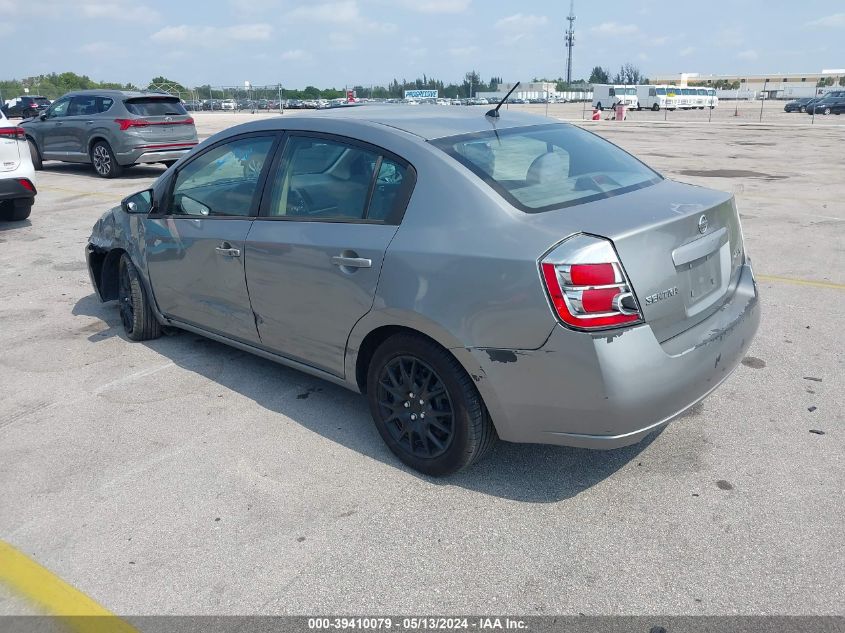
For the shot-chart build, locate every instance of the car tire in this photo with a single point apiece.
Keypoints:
(37, 163)
(104, 162)
(802, 109)
(598, 105)
(458, 432)
(11, 212)
(826, 111)
(655, 107)
(139, 322)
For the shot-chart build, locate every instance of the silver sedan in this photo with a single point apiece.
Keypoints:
(476, 277)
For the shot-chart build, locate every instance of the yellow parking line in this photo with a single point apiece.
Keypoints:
(801, 282)
(73, 608)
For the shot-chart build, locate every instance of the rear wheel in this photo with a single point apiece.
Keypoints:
(827, 111)
(426, 407)
(656, 107)
(105, 164)
(35, 154)
(137, 316)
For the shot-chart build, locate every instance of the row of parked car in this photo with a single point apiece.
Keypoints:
(831, 103)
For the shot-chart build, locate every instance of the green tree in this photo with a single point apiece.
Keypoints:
(629, 74)
(599, 76)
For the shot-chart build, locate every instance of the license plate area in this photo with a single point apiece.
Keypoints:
(705, 280)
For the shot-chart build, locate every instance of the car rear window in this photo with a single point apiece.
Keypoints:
(41, 100)
(546, 167)
(155, 106)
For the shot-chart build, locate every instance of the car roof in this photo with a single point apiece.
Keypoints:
(427, 122)
(125, 94)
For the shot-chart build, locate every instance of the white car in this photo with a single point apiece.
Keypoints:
(229, 104)
(17, 175)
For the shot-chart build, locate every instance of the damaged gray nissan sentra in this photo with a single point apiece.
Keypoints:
(475, 276)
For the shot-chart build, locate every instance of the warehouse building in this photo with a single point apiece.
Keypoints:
(773, 86)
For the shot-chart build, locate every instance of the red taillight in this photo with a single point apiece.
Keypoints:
(593, 293)
(592, 274)
(26, 184)
(125, 124)
(16, 133)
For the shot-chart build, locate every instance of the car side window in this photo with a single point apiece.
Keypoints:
(322, 179)
(223, 181)
(103, 104)
(59, 108)
(390, 184)
(82, 106)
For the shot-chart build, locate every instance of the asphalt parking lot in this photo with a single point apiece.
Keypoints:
(181, 476)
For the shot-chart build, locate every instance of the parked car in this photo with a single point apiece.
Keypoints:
(523, 279)
(25, 106)
(229, 104)
(831, 103)
(111, 130)
(797, 105)
(17, 176)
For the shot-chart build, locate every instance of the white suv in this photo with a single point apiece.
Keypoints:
(17, 175)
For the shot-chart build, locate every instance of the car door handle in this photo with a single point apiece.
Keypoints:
(226, 250)
(352, 262)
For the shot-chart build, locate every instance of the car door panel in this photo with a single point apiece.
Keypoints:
(194, 280)
(305, 301)
(314, 256)
(195, 248)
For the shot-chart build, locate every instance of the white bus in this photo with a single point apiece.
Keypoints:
(607, 96)
(674, 97)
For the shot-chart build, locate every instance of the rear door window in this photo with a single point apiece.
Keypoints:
(82, 106)
(155, 106)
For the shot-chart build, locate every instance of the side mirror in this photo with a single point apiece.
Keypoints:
(43, 116)
(141, 202)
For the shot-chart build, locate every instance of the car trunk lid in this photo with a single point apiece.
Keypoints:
(160, 120)
(680, 245)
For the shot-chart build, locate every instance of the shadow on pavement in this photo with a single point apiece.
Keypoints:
(522, 472)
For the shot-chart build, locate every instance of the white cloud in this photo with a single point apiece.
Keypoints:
(212, 35)
(686, 52)
(614, 28)
(345, 12)
(95, 48)
(342, 41)
(463, 51)
(437, 6)
(518, 21)
(123, 10)
(837, 20)
(748, 55)
(119, 11)
(296, 55)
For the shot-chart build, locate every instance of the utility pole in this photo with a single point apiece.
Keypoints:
(570, 42)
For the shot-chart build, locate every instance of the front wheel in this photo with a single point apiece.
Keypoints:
(425, 406)
(105, 164)
(137, 316)
(826, 111)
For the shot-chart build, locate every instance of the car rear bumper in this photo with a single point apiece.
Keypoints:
(156, 153)
(12, 189)
(612, 389)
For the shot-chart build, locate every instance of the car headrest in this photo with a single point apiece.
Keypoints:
(547, 167)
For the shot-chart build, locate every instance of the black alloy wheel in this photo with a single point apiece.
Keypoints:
(415, 407)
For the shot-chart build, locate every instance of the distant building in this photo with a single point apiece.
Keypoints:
(773, 86)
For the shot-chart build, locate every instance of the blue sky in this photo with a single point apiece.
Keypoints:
(340, 42)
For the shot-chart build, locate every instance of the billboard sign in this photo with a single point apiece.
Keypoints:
(421, 94)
